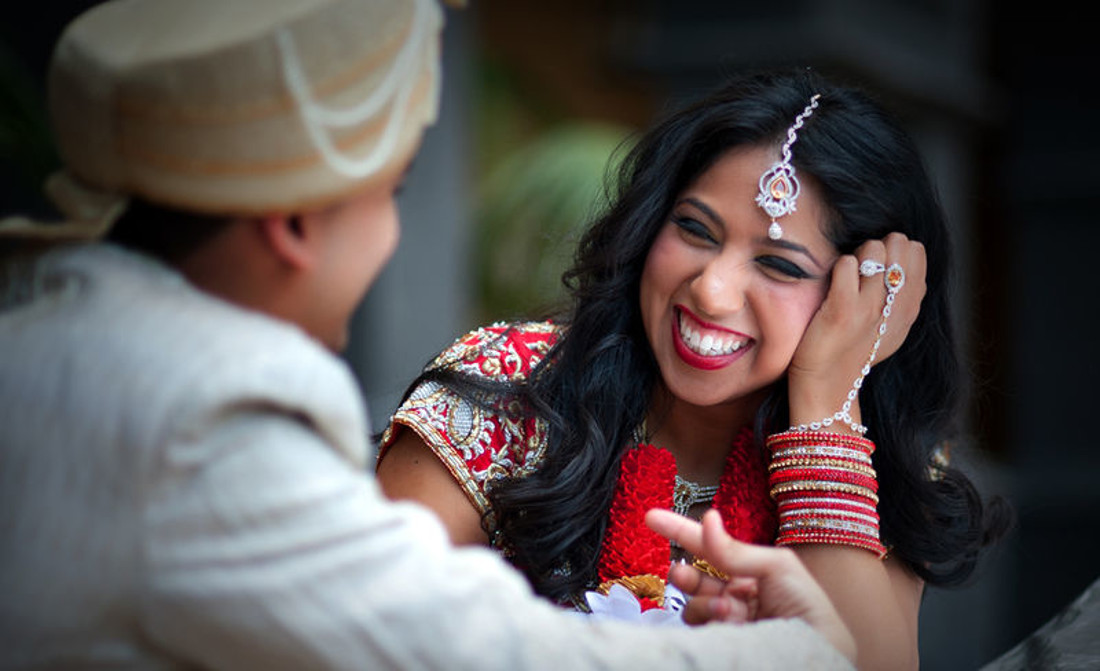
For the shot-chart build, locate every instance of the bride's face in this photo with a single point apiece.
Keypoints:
(723, 305)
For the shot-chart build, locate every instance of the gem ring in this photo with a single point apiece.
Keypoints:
(895, 278)
(871, 268)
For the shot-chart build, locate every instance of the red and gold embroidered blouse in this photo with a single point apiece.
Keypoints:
(479, 446)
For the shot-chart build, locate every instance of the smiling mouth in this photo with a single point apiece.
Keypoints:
(708, 342)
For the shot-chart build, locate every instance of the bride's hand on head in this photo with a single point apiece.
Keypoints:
(839, 339)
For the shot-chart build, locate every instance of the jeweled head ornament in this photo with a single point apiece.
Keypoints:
(778, 185)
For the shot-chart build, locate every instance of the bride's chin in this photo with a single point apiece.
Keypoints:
(698, 395)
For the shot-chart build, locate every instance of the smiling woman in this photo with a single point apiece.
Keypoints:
(705, 321)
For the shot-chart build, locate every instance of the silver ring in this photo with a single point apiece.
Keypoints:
(871, 268)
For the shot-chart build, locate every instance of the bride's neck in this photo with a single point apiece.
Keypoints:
(699, 437)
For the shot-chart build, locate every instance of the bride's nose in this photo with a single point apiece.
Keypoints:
(719, 288)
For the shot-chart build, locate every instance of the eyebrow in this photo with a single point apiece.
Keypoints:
(784, 244)
(794, 247)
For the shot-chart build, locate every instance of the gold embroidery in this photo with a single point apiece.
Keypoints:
(647, 586)
(462, 433)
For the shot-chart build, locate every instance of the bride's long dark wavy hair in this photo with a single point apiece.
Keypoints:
(594, 387)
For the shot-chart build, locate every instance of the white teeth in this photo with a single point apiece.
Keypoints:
(692, 339)
(708, 345)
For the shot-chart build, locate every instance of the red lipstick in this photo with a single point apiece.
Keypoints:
(700, 361)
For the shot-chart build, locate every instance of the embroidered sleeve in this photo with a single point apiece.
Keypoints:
(479, 445)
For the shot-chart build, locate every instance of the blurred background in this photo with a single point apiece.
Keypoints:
(540, 97)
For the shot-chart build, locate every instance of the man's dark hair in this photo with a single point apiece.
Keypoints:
(168, 234)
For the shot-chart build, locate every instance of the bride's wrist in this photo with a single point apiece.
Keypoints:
(837, 411)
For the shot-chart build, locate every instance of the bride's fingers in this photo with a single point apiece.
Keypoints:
(843, 285)
(873, 261)
(908, 288)
(891, 270)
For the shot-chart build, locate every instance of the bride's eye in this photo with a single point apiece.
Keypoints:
(694, 229)
(781, 267)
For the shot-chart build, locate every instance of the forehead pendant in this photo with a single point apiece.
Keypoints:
(778, 185)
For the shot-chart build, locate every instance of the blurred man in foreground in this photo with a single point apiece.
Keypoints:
(183, 458)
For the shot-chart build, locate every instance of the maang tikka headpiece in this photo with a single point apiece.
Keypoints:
(778, 185)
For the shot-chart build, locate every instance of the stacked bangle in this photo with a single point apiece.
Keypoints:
(825, 487)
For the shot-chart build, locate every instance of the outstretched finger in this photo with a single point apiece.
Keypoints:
(677, 528)
(737, 558)
(710, 541)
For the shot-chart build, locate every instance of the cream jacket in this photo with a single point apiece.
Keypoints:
(183, 484)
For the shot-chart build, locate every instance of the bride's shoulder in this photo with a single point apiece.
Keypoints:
(500, 351)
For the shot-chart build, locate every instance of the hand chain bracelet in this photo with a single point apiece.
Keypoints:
(894, 280)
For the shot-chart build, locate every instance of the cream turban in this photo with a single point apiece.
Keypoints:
(239, 107)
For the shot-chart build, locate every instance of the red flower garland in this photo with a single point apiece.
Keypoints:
(647, 477)
(748, 511)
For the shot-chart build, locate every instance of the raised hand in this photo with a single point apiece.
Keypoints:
(764, 582)
(840, 339)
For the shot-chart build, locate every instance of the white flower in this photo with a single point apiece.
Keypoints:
(621, 604)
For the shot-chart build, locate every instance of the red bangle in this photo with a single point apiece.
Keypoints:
(833, 539)
(804, 438)
(837, 497)
(824, 474)
(825, 489)
(779, 463)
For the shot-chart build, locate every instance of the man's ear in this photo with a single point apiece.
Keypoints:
(290, 238)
